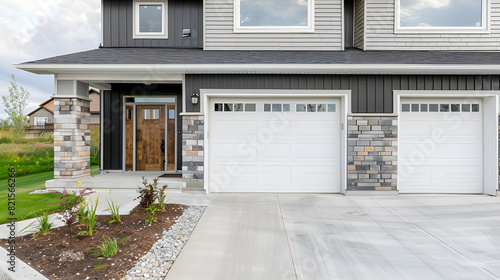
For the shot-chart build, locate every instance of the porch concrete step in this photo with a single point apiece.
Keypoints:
(194, 190)
(115, 180)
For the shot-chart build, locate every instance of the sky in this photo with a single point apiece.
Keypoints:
(273, 13)
(441, 13)
(34, 29)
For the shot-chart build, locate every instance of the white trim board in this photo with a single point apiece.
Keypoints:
(344, 95)
(157, 70)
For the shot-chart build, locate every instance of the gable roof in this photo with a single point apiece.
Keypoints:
(37, 109)
(198, 61)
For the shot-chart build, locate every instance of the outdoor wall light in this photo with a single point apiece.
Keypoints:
(195, 98)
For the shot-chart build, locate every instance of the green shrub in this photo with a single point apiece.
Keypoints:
(114, 209)
(108, 248)
(91, 218)
(42, 225)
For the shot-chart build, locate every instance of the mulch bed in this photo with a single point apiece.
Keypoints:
(49, 254)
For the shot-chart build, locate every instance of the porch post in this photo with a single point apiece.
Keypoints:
(71, 130)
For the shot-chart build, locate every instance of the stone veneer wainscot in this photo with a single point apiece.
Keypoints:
(192, 149)
(71, 137)
(372, 153)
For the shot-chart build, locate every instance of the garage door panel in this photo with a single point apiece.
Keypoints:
(440, 152)
(307, 175)
(316, 150)
(456, 171)
(456, 151)
(235, 127)
(459, 128)
(416, 128)
(234, 151)
(275, 151)
(323, 128)
(276, 176)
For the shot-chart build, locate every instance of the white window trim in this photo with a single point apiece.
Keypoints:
(274, 29)
(485, 24)
(45, 120)
(151, 35)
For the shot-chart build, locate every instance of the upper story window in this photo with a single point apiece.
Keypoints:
(274, 16)
(449, 16)
(150, 19)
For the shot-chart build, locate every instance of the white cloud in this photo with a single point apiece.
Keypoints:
(408, 7)
(32, 29)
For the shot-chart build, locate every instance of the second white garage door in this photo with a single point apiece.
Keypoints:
(274, 145)
(440, 146)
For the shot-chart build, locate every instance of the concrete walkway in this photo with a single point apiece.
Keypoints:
(246, 236)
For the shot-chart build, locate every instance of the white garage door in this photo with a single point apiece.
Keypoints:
(440, 146)
(274, 145)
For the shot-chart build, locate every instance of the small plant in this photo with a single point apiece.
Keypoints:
(69, 209)
(108, 248)
(43, 226)
(66, 202)
(91, 218)
(125, 239)
(99, 267)
(147, 193)
(161, 197)
(114, 209)
(83, 212)
(152, 209)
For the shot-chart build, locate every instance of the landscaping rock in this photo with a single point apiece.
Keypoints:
(71, 256)
(163, 253)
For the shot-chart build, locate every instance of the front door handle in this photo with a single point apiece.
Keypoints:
(162, 146)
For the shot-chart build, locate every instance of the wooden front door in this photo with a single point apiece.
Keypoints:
(149, 137)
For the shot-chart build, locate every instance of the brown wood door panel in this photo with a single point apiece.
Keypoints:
(129, 138)
(150, 132)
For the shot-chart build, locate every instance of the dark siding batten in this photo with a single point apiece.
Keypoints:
(369, 93)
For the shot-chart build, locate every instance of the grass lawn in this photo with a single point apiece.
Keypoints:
(27, 203)
(26, 158)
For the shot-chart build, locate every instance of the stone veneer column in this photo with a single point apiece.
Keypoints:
(372, 153)
(71, 137)
(192, 149)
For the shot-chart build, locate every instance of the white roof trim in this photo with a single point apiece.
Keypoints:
(162, 69)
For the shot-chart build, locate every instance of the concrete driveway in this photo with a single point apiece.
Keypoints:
(247, 236)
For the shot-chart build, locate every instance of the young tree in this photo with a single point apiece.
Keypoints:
(15, 102)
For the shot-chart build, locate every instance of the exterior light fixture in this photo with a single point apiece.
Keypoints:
(195, 98)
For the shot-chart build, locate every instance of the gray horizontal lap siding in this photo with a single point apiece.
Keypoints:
(380, 35)
(118, 25)
(113, 120)
(42, 113)
(370, 93)
(220, 35)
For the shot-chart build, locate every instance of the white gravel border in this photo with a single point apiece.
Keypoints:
(157, 262)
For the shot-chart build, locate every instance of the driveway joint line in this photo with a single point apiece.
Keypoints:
(286, 234)
(436, 238)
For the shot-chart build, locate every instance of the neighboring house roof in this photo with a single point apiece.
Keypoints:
(38, 109)
(198, 61)
(48, 105)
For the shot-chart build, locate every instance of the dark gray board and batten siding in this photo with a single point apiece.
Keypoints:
(118, 25)
(113, 119)
(369, 93)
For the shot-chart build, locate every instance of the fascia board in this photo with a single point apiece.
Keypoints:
(162, 69)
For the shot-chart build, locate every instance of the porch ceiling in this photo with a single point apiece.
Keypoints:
(164, 61)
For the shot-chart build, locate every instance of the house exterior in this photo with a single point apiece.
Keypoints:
(353, 97)
(44, 114)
